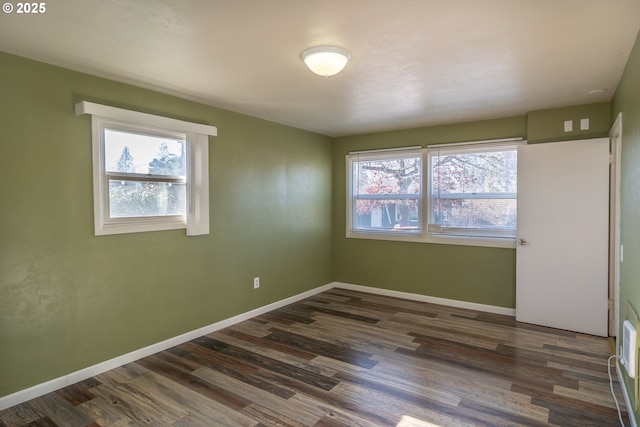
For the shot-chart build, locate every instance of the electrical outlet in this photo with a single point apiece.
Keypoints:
(256, 282)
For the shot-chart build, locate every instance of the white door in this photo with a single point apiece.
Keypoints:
(563, 221)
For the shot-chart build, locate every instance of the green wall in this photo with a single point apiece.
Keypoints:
(69, 299)
(627, 102)
(548, 125)
(476, 274)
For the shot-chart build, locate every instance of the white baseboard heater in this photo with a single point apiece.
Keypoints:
(629, 356)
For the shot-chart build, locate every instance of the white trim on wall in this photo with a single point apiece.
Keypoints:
(425, 298)
(83, 374)
(85, 107)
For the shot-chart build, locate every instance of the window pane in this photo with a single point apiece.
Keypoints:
(137, 153)
(476, 213)
(388, 214)
(484, 172)
(138, 199)
(474, 190)
(386, 194)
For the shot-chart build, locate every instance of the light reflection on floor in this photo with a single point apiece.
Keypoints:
(408, 421)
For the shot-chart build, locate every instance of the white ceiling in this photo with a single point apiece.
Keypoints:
(414, 62)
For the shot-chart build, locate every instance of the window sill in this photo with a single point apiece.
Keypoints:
(440, 240)
(137, 227)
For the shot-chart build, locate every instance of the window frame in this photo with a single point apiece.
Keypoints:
(196, 136)
(354, 157)
(133, 223)
(434, 229)
(424, 236)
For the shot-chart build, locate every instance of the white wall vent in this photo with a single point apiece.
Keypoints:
(628, 355)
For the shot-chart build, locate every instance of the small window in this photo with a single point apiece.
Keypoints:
(385, 192)
(150, 172)
(473, 190)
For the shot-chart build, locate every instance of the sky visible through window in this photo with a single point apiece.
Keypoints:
(143, 148)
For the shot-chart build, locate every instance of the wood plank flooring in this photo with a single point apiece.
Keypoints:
(344, 358)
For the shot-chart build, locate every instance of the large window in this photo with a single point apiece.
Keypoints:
(473, 190)
(150, 173)
(385, 192)
(468, 193)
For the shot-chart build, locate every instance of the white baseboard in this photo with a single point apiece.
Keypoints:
(627, 398)
(83, 374)
(424, 298)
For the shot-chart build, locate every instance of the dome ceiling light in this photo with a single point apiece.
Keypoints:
(325, 60)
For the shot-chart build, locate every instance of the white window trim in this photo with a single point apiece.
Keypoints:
(196, 221)
(424, 236)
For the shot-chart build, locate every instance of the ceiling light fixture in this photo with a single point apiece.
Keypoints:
(325, 60)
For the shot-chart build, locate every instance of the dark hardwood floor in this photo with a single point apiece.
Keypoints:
(344, 358)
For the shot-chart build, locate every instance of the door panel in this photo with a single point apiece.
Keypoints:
(563, 215)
